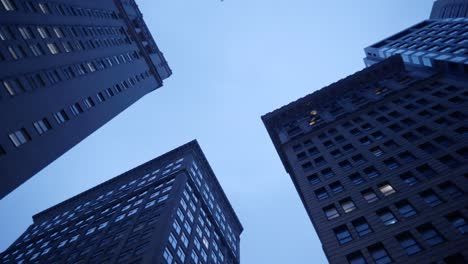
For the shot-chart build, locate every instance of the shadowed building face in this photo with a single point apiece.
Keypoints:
(68, 67)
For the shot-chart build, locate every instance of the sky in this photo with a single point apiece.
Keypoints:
(232, 61)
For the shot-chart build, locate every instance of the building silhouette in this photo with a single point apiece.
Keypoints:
(380, 162)
(439, 43)
(68, 67)
(168, 210)
(449, 9)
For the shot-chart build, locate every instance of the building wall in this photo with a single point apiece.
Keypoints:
(449, 9)
(84, 58)
(154, 213)
(416, 126)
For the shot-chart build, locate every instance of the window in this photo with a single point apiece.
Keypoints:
(336, 187)
(361, 226)
(53, 48)
(428, 147)
(19, 137)
(405, 209)
(321, 193)
(342, 234)
(2, 151)
(8, 5)
(409, 178)
(458, 221)
(386, 216)
(345, 165)
(347, 205)
(379, 254)
(371, 172)
(331, 212)
(313, 179)
(89, 102)
(356, 258)
(430, 234)
(61, 117)
(365, 141)
(356, 178)
(377, 151)
(391, 144)
(431, 198)
(327, 173)
(426, 171)
(391, 163)
(25, 32)
(451, 189)
(450, 161)
(181, 254)
(320, 161)
(369, 195)
(455, 258)
(386, 189)
(76, 109)
(42, 126)
(13, 87)
(358, 159)
(408, 243)
(348, 148)
(168, 256)
(172, 241)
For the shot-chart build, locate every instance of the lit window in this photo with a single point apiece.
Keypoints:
(42, 126)
(181, 254)
(386, 189)
(172, 241)
(168, 256)
(53, 48)
(369, 195)
(8, 5)
(42, 32)
(347, 205)
(19, 137)
(342, 234)
(331, 212)
(58, 32)
(25, 32)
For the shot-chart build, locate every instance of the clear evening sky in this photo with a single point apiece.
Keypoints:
(233, 61)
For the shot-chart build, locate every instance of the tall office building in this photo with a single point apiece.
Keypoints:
(168, 210)
(380, 162)
(442, 44)
(68, 67)
(449, 9)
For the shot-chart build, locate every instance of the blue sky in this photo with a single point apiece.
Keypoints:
(233, 61)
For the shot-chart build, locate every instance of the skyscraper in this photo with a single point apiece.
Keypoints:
(449, 9)
(168, 210)
(380, 162)
(68, 67)
(442, 44)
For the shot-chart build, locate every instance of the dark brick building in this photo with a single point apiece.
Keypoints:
(67, 68)
(168, 210)
(380, 161)
(449, 9)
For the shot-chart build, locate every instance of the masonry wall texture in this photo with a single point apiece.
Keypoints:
(380, 161)
(68, 67)
(168, 210)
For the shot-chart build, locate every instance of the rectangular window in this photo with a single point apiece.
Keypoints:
(336, 187)
(25, 32)
(347, 205)
(61, 117)
(42, 126)
(76, 109)
(379, 254)
(362, 227)
(356, 178)
(405, 209)
(430, 234)
(369, 195)
(458, 221)
(408, 243)
(431, 198)
(43, 32)
(321, 193)
(450, 189)
(342, 234)
(356, 258)
(53, 48)
(331, 212)
(386, 189)
(89, 102)
(386, 216)
(8, 5)
(19, 137)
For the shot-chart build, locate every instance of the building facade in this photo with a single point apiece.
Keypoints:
(449, 9)
(68, 67)
(168, 210)
(380, 162)
(440, 43)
